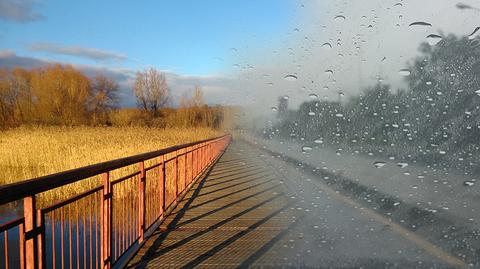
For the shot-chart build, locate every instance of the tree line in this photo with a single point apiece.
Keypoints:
(63, 95)
(435, 120)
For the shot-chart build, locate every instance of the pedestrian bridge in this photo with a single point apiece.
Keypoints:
(216, 203)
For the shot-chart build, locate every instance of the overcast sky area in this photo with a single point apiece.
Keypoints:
(239, 51)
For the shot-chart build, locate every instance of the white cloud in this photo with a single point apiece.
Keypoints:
(90, 53)
(18, 11)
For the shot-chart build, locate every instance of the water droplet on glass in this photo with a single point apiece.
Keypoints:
(402, 165)
(339, 18)
(474, 43)
(313, 96)
(420, 23)
(306, 148)
(404, 72)
(468, 183)
(339, 115)
(318, 141)
(311, 113)
(329, 72)
(327, 45)
(274, 108)
(290, 77)
(463, 6)
(477, 92)
(428, 83)
(433, 39)
(474, 33)
(379, 164)
(286, 97)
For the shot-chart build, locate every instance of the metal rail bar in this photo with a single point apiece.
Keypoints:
(99, 227)
(22, 189)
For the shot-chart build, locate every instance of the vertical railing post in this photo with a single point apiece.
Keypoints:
(175, 175)
(106, 227)
(192, 162)
(29, 213)
(21, 242)
(41, 239)
(202, 155)
(209, 153)
(141, 201)
(192, 176)
(185, 168)
(197, 161)
(162, 184)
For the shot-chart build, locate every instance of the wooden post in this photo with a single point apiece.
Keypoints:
(21, 242)
(164, 179)
(29, 213)
(175, 175)
(41, 239)
(162, 184)
(106, 227)
(192, 176)
(141, 202)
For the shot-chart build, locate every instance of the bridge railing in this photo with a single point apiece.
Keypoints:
(101, 226)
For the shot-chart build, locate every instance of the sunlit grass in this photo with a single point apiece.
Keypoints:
(30, 152)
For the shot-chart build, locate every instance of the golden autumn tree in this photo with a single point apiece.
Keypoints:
(61, 95)
(15, 97)
(24, 110)
(7, 99)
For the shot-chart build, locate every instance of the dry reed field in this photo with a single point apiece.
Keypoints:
(29, 152)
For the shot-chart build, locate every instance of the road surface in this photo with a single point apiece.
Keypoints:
(255, 210)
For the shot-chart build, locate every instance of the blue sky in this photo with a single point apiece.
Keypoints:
(185, 37)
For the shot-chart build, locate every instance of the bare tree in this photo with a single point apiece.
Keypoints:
(197, 98)
(151, 90)
(104, 98)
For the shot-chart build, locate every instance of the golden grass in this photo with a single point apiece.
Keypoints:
(29, 152)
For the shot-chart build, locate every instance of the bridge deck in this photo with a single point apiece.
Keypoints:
(231, 218)
(253, 210)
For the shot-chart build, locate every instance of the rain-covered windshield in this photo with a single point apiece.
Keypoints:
(356, 121)
(379, 100)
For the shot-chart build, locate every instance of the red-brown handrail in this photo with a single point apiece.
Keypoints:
(113, 218)
(24, 188)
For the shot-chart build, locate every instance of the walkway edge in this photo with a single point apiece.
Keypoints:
(432, 226)
(123, 262)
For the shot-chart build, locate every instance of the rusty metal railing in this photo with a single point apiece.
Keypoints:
(100, 227)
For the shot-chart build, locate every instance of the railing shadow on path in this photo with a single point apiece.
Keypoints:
(251, 193)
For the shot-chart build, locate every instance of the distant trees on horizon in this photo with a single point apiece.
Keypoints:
(62, 95)
(435, 120)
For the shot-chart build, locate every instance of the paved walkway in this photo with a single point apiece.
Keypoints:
(253, 210)
(231, 218)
